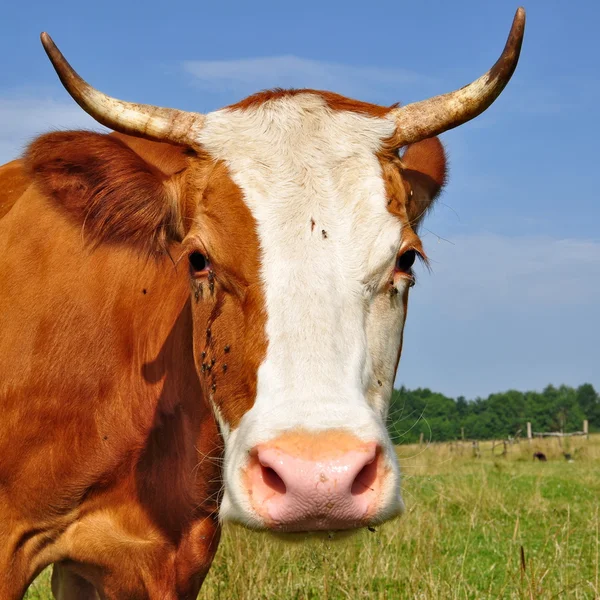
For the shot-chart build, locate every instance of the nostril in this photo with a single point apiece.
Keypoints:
(273, 480)
(366, 477)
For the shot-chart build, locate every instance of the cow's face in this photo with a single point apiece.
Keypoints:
(300, 255)
(299, 222)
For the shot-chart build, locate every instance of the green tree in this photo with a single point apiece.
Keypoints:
(440, 418)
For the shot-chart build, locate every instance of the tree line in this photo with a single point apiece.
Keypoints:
(498, 416)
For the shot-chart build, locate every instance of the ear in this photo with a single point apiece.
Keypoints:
(114, 193)
(425, 171)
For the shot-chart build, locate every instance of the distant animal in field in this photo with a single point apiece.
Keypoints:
(568, 457)
(540, 456)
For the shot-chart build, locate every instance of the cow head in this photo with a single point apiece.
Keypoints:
(297, 215)
(303, 282)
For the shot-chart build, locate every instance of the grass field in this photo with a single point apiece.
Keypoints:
(489, 527)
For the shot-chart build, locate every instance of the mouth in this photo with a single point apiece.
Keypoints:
(320, 525)
(328, 536)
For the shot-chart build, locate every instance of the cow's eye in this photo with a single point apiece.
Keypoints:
(199, 264)
(406, 260)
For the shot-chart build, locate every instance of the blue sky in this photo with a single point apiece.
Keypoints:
(512, 299)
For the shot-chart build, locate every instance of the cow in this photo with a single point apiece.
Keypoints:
(201, 321)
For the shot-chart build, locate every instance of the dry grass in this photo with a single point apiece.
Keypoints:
(489, 527)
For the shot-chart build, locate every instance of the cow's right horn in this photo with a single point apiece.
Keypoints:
(142, 120)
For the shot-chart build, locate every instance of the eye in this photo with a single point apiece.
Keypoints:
(199, 264)
(406, 260)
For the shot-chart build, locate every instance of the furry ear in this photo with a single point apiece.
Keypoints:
(425, 171)
(105, 185)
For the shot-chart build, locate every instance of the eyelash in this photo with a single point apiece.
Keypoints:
(404, 266)
(406, 260)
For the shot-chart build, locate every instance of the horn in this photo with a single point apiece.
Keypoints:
(431, 117)
(142, 120)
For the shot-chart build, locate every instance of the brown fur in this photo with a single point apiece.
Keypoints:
(14, 182)
(234, 312)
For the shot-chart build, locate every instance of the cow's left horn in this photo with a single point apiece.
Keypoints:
(431, 117)
(142, 120)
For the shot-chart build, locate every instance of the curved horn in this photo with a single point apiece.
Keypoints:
(142, 120)
(431, 117)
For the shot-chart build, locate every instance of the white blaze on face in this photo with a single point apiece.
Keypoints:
(333, 331)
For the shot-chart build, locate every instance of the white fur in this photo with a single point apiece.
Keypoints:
(333, 330)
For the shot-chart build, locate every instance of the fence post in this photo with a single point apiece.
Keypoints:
(421, 439)
(462, 433)
(586, 429)
(529, 431)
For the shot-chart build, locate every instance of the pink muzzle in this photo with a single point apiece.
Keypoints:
(302, 482)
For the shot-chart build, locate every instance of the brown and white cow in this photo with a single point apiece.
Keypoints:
(201, 319)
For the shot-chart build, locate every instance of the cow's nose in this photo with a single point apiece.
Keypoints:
(307, 483)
